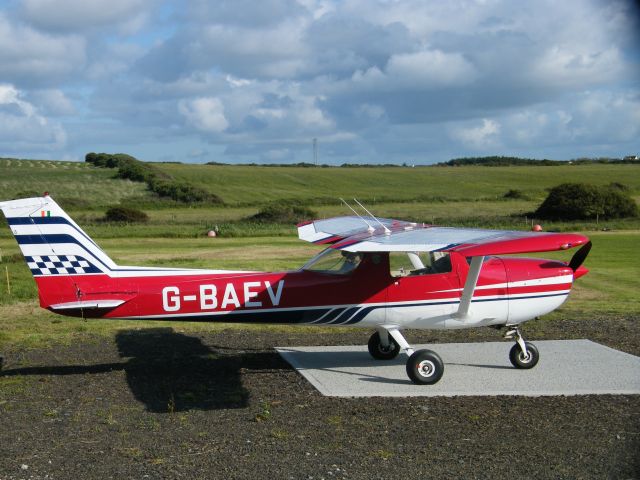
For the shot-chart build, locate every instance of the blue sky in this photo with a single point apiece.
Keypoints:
(375, 81)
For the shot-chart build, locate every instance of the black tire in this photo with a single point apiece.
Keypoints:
(518, 359)
(425, 367)
(380, 352)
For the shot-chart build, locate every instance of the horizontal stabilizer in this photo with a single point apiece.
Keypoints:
(88, 305)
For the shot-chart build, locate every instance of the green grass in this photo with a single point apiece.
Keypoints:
(251, 185)
(610, 288)
(74, 184)
(175, 237)
(613, 283)
(457, 196)
(256, 185)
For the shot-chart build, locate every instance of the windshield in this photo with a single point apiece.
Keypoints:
(336, 262)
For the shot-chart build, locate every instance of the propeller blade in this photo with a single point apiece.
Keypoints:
(580, 256)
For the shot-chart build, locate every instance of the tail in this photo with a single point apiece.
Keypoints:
(62, 258)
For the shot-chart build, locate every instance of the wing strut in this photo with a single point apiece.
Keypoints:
(469, 286)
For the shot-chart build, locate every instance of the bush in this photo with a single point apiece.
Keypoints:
(283, 213)
(619, 186)
(135, 171)
(182, 192)
(514, 194)
(578, 201)
(107, 160)
(125, 215)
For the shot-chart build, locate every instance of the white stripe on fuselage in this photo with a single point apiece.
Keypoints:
(534, 282)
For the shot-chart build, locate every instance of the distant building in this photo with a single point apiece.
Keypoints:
(631, 157)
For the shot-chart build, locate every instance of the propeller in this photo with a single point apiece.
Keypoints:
(579, 257)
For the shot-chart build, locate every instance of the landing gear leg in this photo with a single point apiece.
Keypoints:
(523, 354)
(424, 367)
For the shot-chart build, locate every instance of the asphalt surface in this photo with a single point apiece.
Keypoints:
(160, 403)
(566, 367)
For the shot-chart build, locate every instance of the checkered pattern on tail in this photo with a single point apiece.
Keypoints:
(60, 265)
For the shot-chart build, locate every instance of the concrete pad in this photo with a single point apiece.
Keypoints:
(566, 367)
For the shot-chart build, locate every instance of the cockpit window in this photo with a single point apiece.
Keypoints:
(336, 262)
(403, 264)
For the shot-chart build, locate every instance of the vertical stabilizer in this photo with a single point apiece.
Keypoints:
(51, 242)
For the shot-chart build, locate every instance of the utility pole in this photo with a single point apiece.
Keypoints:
(315, 151)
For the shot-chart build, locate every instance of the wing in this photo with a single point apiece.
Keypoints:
(469, 242)
(352, 234)
(332, 230)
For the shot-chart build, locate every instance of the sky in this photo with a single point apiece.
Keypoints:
(374, 81)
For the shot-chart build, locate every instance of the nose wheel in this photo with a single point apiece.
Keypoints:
(425, 367)
(523, 355)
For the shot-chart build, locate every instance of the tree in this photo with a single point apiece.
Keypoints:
(579, 201)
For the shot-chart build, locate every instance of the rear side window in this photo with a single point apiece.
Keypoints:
(404, 264)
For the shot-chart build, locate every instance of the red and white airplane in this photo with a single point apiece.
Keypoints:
(383, 274)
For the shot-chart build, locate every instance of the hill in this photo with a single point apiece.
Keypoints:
(85, 186)
(254, 185)
(462, 196)
(74, 185)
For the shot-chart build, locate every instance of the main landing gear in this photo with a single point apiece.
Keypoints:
(424, 367)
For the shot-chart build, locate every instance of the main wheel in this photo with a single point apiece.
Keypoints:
(379, 351)
(520, 360)
(425, 367)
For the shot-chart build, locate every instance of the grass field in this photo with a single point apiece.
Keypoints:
(457, 196)
(250, 185)
(609, 289)
(115, 399)
(76, 185)
(256, 185)
(464, 196)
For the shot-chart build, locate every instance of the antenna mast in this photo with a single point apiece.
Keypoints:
(386, 230)
(370, 229)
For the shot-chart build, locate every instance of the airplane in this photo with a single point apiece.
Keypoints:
(377, 273)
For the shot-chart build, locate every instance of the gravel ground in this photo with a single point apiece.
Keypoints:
(157, 403)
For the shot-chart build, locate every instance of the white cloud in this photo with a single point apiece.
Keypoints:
(205, 113)
(112, 59)
(430, 68)
(21, 125)
(53, 102)
(31, 57)
(482, 137)
(80, 15)
(567, 67)
(395, 80)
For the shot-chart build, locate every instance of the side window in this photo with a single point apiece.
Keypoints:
(403, 264)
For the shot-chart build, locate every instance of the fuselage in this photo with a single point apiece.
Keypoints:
(509, 291)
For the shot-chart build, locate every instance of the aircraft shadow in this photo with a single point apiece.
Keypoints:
(171, 372)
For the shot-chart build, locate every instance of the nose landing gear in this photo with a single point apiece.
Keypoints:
(523, 354)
